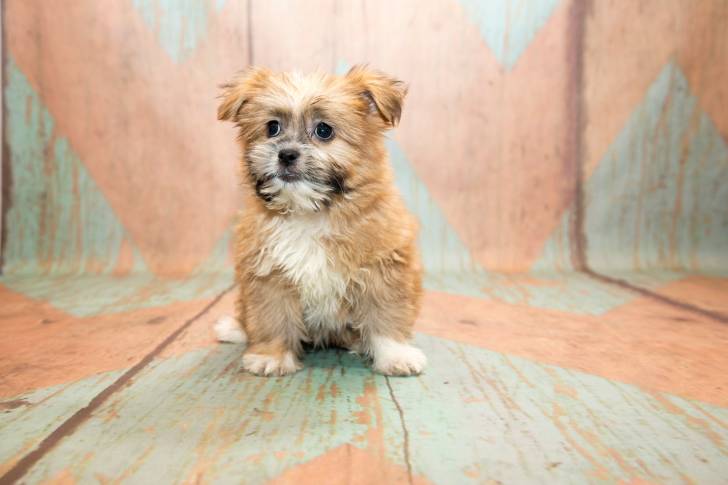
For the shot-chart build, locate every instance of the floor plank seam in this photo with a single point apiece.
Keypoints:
(720, 317)
(405, 432)
(67, 428)
(577, 236)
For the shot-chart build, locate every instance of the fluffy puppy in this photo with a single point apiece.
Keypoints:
(325, 248)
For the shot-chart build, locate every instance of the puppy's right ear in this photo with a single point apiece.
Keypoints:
(239, 91)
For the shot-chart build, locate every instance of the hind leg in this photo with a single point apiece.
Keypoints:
(228, 329)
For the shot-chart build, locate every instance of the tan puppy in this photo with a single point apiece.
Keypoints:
(325, 251)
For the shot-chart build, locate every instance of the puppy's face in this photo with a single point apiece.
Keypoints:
(310, 139)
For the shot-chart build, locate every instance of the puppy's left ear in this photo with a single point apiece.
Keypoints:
(385, 94)
(239, 91)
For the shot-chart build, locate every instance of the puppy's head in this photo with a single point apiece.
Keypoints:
(309, 139)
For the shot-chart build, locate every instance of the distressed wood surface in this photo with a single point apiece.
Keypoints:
(133, 151)
(81, 359)
(628, 44)
(703, 291)
(475, 416)
(636, 343)
(481, 411)
(469, 135)
(43, 346)
(581, 144)
(26, 419)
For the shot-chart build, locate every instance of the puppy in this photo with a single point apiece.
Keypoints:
(325, 248)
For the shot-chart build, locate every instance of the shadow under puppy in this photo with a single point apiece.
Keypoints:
(325, 248)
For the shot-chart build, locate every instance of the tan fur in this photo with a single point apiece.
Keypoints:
(333, 261)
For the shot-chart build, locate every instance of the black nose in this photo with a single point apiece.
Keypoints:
(288, 156)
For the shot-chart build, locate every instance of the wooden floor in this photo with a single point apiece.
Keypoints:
(575, 379)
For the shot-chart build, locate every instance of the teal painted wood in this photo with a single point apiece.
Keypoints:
(198, 415)
(509, 26)
(449, 267)
(568, 292)
(63, 239)
(659, 197)
(180, 25)
(85, 295)
(557, 253)
(507, 419)
(474, 416)
(58, 221)
(657, 200)
(27, 419)
(448, 262)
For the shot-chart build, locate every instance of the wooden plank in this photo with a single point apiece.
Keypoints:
(235, 426)
(133, 152)
(474, 416)
(513, 157)
(629, 43)
(654, 201)
(633, 342)
(28, 418)
(703, 291)
(32, 422)
(295, 35)
(636, 343)
(87, 295)
(43, 346)
(510, 420)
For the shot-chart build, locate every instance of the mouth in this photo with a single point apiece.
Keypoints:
(288, 175)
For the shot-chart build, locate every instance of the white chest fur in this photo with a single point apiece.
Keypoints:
(294, 245)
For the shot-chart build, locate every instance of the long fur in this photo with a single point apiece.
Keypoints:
(330, 257)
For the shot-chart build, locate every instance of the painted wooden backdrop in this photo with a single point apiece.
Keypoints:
(535, 134)
(568, 160)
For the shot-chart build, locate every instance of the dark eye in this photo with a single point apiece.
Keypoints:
(274, 128)
(324, 131)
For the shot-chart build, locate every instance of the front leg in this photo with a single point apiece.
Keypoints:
(273, 320)
(384, 315)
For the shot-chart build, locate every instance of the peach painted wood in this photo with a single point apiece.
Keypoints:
(706, 292)
(627, 45)
(144, 126)
(637, 343)
(42, 346)
(27, 418)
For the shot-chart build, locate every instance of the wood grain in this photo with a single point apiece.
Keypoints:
(488, 417)
(43, 346)
(538, 138)
(26, 419)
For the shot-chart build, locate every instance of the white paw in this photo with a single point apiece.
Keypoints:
(227, 329)
(393, 358)
(267, 365)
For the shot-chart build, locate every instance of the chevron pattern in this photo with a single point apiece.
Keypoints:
(657, 194)
(508, 27)
(179, 25)
(567, 267)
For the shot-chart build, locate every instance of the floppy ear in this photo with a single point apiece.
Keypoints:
(239, 91)
(384, 93)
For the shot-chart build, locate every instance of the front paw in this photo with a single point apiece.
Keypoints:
(270, 365)
(393, 358)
